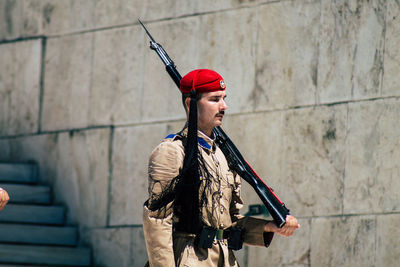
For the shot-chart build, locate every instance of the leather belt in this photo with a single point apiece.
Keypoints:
(208, 235)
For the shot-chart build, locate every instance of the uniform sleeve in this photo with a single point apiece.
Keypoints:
(164, 165)
(158, 236)
(253, 227)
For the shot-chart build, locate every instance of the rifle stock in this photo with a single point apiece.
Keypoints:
(235, 160)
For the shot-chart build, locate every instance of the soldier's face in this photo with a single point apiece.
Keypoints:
(211, 107)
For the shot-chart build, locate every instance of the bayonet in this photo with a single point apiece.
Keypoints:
(169, 64)
(151, 37)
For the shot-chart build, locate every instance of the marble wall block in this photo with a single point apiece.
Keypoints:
(20, 87)
(83, 171)
(75, 164)
(110, 246)
(259, 139)
(138, 248)
(162, 9)
(5, 150)
(222, 5)
(226, 44)
(46, 17)
(131, 151)
(388, 246)
(122, 246)
(120, 12)
(345, 241)
(33, 17)
(293, 251)
(391, 83)
(372, 153)
(117, 78)
(287, 55)
(10, 19)
(67, 80)
(313, 159)
(38, 17)
(80, 17)
(123, 12)
(350, 62)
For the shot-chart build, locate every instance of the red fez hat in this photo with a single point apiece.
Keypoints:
(202, 81)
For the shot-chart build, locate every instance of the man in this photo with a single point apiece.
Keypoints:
(192, 215)
(4, 198)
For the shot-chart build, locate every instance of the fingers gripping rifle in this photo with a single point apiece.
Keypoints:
(235, 160)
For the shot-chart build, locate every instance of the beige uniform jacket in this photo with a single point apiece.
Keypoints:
(168, 248)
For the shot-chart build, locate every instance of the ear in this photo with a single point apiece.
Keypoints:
(187, 103)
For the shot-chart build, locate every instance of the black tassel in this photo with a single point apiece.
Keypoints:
(187, 195)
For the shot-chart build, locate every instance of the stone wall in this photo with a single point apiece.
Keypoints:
(314, 105)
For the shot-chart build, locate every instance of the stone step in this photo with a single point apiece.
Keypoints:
(34, 214)
(18, 172)
(38, 234)
(44, 255)
(32, 194)
(13, 265)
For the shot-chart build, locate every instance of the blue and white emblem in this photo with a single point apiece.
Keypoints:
(222, 84)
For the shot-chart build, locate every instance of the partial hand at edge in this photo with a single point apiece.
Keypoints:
(4, 198)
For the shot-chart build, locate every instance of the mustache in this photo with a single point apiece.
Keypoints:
(220, 113)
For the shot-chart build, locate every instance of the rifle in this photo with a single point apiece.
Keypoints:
(236, 162)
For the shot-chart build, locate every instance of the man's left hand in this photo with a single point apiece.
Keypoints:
(287, 230)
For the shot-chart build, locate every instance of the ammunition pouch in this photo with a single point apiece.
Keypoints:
(208, 235)
(235, 239)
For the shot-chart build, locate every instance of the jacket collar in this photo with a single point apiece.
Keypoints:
(202, 139)
(205, 141)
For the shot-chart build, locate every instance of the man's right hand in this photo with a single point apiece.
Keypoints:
(4, 198)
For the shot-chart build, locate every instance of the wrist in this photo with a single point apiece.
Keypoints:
(269, 227)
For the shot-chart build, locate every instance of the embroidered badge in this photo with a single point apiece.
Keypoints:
(222, 84)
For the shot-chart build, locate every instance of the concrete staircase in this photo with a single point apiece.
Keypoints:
(32, 230)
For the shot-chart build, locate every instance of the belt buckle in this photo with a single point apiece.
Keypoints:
(220, 234)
